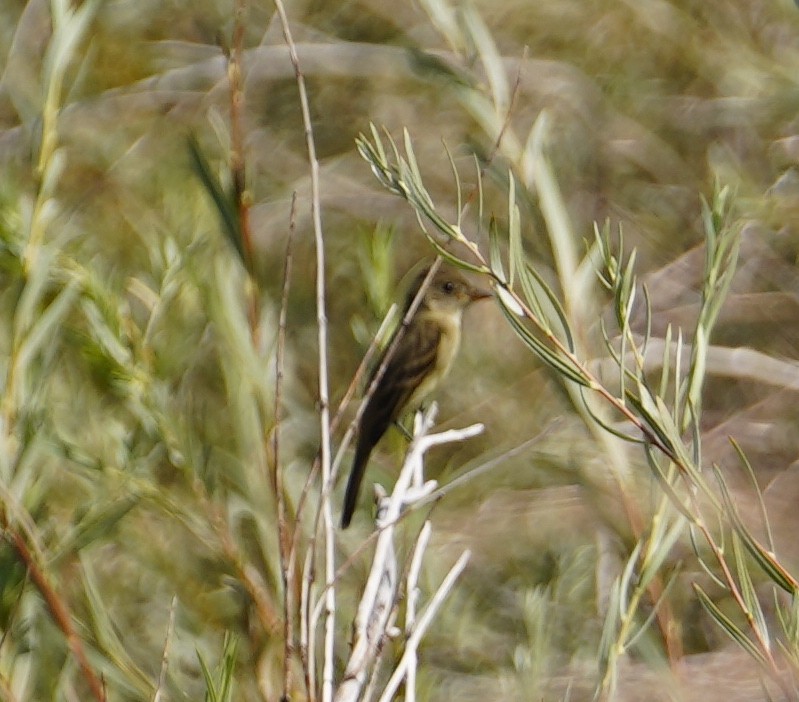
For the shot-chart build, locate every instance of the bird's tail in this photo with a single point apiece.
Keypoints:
(354, 483)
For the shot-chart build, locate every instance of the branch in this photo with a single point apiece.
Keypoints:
(379, 597)
(58, 610)
(321, 317)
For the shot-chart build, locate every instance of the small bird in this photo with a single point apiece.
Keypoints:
(422, 357)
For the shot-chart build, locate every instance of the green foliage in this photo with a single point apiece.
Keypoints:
(661, 427)
(221, 686)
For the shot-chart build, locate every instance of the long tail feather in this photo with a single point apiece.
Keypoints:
(362, 453)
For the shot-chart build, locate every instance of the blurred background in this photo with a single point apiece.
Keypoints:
(138, 414)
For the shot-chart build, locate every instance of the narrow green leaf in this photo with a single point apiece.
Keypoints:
(747, 588)
(629, 576)
(515, 249)
(413, 165)
(480, 199)
(210, 685)
(43, 329)
(607, 427)
(94, 525)
(649, 420)
(37, 282)
(490, 57)
(709, 225)
(648, 318)
(698, 551)
(556, 306)
(540, 349)
(457, 178)
(398, 160)
(662, 540)
(70, 27)
(124, 670)
(531, 296)
(625, 293)
(220, 688)
(452, 258)
(378, 143)
(601, 241)
(666, 485)
(756, 486)
(665, 364)
(652, 614)
(610, 628)
(679, 385)
(764, 558)
(615, 355)
(433, 68)
(223, 201)
(696, 376)
(669, 427)
(553, 207)
(494, 252)
(696, 434)
(728, 626)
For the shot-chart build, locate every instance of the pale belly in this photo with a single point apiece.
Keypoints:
(447, 350)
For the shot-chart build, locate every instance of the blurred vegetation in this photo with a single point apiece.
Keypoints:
(138, 363)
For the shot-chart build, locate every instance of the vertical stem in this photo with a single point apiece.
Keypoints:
(237, 161)
(324, 408)
(284, 535)
(58, 610)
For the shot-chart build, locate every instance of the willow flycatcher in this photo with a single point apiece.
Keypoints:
(422, 357)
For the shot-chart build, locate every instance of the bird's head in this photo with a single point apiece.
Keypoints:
(449, 291)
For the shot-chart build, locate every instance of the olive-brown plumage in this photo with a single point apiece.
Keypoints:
(423, 356)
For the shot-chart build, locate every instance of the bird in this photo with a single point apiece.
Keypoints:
(422, 356)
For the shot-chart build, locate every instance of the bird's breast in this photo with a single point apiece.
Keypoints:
(448, 344)
(449, 340)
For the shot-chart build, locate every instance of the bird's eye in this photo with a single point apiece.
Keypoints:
(449, 287)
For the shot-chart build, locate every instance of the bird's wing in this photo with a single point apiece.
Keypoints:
(413, 360)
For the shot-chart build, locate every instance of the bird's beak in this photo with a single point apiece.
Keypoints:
(476, 294)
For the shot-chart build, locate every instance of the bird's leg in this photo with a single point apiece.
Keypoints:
(403, 430)
(407, 434)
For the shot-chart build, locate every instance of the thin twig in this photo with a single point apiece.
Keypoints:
(424, 621)
(328, 485)
(471, 473)
(718, 553)
(504, 128)
(321, 318)
(249, 576)
(433, 497)
(170, 628)
(364, 364)
(379, 596)
(412, 593)
(307, 649)
(58, 610)
(412, 589)
(284, 536)
(389, 354)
